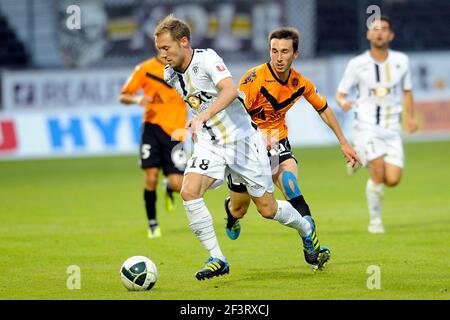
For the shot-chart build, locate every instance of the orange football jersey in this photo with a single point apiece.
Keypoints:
(267, 98)
(167, 110)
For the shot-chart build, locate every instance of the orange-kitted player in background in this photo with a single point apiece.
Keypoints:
(162, 136)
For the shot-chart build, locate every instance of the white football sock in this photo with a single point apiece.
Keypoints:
(288, 216)
(374, 193)
(202, 225)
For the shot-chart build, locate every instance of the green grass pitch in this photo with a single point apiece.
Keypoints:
(89, 212)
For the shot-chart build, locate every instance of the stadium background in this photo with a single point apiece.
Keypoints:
(59, 86)
(59, 91)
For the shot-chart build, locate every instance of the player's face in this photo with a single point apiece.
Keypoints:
(170, 50)
(379, 34)
(282, 54)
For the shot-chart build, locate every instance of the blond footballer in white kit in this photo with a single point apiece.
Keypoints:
(225, 141)
(383, 82)
(228, 137)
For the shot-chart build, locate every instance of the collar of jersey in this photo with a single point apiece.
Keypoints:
(192, 58)
(275, 76)
(377, 62)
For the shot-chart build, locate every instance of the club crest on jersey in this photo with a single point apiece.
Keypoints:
(295, 81)
(195, 69)
(250, 77)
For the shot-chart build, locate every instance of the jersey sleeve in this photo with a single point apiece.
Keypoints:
(313, 96)
(348, 80)
(134, 82)
(215, 67)
(406, 81)
(248, 85)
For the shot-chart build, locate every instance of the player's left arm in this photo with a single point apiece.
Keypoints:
(320, 104)
(408, 102)
(349, 153)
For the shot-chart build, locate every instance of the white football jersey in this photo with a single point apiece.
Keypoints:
(197, 85)
(379, 88)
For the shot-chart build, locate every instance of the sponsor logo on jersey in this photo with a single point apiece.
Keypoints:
(194, 102)
(199, 102)
(381, 92)
(220, 67)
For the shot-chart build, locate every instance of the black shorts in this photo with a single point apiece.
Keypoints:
(280, 153)
(159, 150)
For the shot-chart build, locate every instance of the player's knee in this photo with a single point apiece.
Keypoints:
(239, 210)
(266, 210)
(378, 176)
(176, 183)
(188, 193)
(151, 180)
(392, 182)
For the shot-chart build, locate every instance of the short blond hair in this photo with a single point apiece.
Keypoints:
(176, 27)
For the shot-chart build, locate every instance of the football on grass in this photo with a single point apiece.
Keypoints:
(138, 273)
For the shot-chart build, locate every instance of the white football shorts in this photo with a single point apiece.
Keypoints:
(372, 142)
(246, 160)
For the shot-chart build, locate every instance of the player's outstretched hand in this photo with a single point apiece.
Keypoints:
(412, 125)
(346, 105)
(350, 155)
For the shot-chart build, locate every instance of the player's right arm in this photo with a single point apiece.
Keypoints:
(343, 102)
(227, 94)
(128, 94)
(347, 82)
(227, 90)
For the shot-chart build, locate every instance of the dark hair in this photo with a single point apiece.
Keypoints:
(176, 27)
(387, 20)
(286, 33)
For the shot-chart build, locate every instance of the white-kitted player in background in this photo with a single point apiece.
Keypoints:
(382, 79)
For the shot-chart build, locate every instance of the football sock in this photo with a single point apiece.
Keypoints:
(374, 193)
(231, 220)
(169, 190)
(300, 205)
(152, 223)
(150, 206)
(201, 223)
(288, 216)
